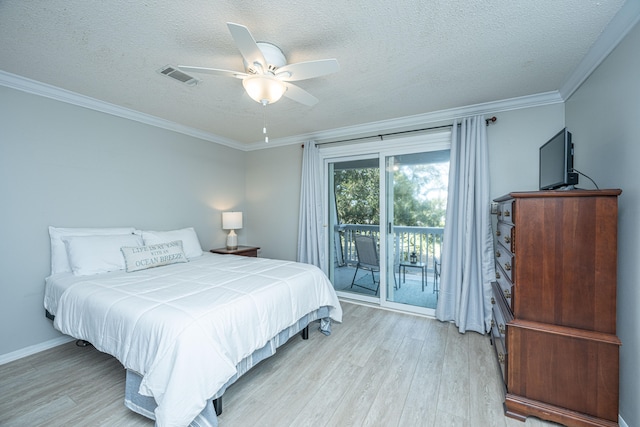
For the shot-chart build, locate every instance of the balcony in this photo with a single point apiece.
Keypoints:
(424, 242)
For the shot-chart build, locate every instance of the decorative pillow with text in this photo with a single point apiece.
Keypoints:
(143, 257)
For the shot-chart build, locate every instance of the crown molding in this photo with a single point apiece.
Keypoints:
(403, 123)
(415, 122)
(42, 89)
(626, 18)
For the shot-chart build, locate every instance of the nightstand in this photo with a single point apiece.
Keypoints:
(250, 251)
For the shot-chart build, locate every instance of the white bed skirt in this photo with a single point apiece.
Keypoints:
(145, 405)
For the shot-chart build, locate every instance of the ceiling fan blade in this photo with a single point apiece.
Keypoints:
(307, 70)
(297, 94)
(247, 45)
(214, 71)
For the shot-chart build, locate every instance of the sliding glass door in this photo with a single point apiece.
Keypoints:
(386, 208)
(354, 210)
(416, 201)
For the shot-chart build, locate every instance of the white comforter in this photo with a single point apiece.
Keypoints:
(184, 327)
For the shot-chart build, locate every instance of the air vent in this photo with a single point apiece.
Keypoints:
(178, 75)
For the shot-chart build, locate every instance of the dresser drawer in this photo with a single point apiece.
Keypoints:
(505, 235)
(498, 323)
(501, 314)
(501, 354)
(505, 285)
(505, 259)
(505, 211)
(499, 304)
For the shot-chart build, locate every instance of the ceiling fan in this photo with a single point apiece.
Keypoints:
(267, 76)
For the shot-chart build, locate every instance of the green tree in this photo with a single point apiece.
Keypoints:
(420, 195)
(357, 193)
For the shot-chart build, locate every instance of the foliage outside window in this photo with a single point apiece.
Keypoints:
(420, 195)
(419, 200)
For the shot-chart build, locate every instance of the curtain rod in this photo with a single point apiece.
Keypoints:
(381, 136)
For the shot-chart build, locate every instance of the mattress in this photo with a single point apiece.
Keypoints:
(184, 328)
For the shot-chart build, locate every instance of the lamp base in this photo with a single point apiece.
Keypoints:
(232, 240)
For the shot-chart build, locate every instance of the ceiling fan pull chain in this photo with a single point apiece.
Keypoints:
(264, 118)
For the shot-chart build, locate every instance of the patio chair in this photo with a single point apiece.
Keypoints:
(367, 251)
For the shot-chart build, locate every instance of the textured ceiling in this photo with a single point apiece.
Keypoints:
(397, 59)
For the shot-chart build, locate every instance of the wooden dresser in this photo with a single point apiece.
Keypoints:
(554, 305)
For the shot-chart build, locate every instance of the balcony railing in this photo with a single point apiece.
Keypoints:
(425, 242)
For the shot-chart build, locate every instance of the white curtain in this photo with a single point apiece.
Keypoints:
(467, 264)
(311, 239)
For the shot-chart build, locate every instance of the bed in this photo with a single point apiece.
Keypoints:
(186, 330)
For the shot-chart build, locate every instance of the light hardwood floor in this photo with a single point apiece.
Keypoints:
(378, 368)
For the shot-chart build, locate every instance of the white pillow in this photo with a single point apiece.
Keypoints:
(141, 257)
(98, 254)
(190, 242)
(59, 259)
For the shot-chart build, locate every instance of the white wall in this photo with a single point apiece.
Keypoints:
(514, 142)
(68, 166)
(603, 116)
(273, 200)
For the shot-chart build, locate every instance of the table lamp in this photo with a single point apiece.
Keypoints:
(232, 221)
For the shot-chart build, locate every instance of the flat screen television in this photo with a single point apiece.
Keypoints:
(556, 163)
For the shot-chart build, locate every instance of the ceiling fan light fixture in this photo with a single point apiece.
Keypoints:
(263, 88)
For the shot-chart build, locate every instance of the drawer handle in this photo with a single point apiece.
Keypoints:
(497, 254)
(507, 213)
(498, 233)
(497, 275)
(501, 329)
(507, 266)
(507, 239)
(501, 358)
(507, 293)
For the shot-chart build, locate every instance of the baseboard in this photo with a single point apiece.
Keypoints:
(28, 351)
(621, 422)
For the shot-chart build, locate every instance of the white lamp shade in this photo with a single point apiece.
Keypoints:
(264, 88)
(231, 220)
